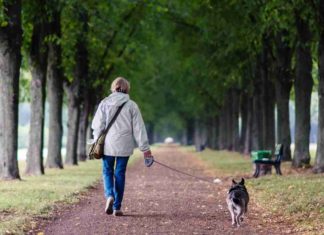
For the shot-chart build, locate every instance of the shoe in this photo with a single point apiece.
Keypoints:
(109, 205)
(117, 213)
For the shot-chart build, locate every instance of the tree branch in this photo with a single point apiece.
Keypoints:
(111, 41)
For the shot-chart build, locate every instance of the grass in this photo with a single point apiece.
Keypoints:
(297, 196)
(20, 201)
(224, 162)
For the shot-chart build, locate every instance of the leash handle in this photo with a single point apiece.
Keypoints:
(182, 172)
(148, 161)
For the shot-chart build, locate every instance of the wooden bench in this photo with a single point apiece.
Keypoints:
(276, 162)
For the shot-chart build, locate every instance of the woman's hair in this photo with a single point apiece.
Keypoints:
(120, 84)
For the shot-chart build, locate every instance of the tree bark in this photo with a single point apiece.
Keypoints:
(283, 85)
(55, 96)
(269, 116)
(229, 121)
(190, 131)
(38, 64)
(235, 120)
(244, 111)
(73, 122)
(212, 133)
(319, 160)
(81, 75)
(222, 128)
(303, 89)
(268, 99)
(150, 132)
(197, 135)
(257, 128)
(10, 60)
(249, 125)
(83, 126)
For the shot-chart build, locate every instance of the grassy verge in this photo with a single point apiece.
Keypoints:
(298, 197)
(20, 201)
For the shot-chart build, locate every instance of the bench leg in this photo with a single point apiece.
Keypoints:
(278, 171)
(257, 170)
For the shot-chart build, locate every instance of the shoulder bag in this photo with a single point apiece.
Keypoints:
(97, 148)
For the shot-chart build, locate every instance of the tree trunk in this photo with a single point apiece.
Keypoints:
(212, 133)
(73, 123)
(82, 135)
(283, 85)
(269, 116)
(319, 160)
(235, 120)
(257, 128)
(249, 125)
(197, 135)
(150, 132)
(229, 121)
(268, 99)
(222, 127)
(10, 60)
(244, 110)
(189, 131)
(303, 90)
(55, 97)
(81, 75)
(38, 64)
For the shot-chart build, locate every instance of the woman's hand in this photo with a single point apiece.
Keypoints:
(147, 153)
(148, 158)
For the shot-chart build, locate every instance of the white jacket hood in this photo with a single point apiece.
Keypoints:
(116, 99)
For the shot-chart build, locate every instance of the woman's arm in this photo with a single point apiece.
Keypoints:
(98, 122)
(139, 130)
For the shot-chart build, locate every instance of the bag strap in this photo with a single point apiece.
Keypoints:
(114, 118)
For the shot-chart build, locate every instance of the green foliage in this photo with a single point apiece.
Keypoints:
(181, 57)
(24, 86)
(3, 20)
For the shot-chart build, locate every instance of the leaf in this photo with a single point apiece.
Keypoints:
(4, 23)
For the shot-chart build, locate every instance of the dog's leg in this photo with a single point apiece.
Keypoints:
(238, 217)
(231, 209)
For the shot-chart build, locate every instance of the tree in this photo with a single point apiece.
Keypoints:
(283, 85)
(303, 88)
(37, 52)
(10, 60)
(319, 160)
(55, 88)
(73, 88)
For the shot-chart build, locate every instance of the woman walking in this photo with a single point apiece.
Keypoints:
(127, 131)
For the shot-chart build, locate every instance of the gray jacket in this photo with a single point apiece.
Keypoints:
(128, 130)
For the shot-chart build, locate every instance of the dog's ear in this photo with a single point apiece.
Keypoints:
(233, 181)
(242, 181)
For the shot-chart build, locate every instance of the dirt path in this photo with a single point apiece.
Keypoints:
(159, 201)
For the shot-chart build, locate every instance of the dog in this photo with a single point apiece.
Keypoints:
(237, 201)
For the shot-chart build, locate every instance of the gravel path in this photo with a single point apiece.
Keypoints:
(160, 201)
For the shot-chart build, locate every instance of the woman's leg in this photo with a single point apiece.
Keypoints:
(108, 163)
(120, 171)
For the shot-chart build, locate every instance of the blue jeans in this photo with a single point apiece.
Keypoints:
(114, 178)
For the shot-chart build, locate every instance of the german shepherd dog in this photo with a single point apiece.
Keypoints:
(237, 201)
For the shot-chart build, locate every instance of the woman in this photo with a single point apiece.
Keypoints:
(121, 139)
